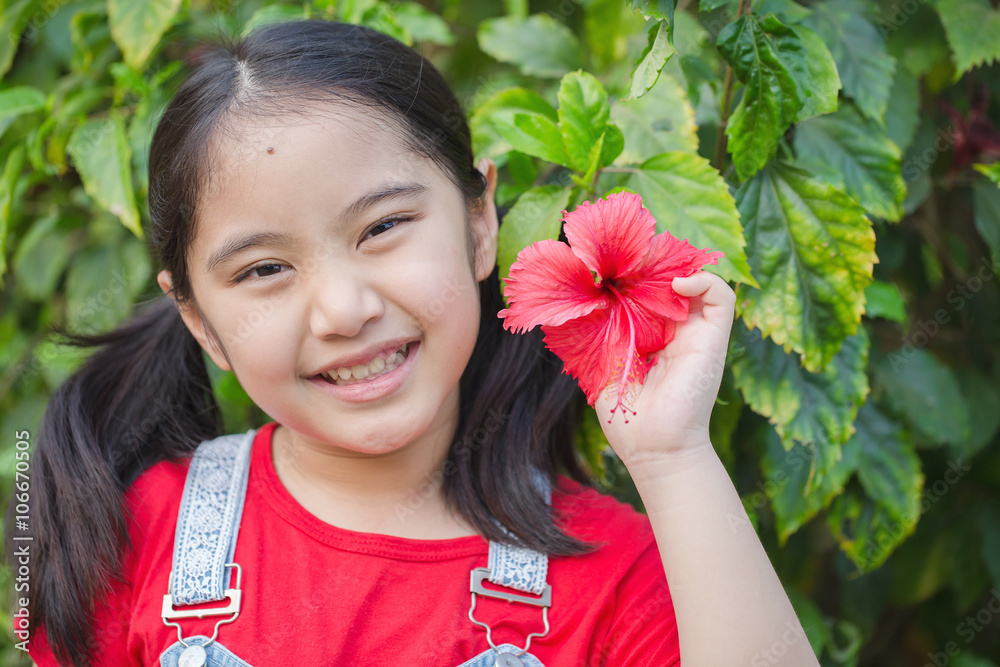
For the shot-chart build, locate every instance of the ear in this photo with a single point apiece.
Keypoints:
(485, 224)
(194, 323)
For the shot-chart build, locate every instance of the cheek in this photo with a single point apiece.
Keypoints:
(441, 290)
(258, 325)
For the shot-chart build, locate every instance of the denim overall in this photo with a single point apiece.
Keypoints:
(205, 542)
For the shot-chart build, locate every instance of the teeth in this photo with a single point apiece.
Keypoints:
(377, 366)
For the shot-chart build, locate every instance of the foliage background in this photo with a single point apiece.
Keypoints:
(839, 152)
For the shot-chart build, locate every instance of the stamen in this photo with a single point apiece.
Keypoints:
(626, 375)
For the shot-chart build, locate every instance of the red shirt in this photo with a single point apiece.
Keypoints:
(316, 594)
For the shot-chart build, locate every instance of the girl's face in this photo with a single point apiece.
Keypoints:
(325, 248)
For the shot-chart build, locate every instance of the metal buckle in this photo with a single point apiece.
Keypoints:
(476, 587)
(235, 596)
(481, 573)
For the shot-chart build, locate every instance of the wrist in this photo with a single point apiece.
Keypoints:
(657, 467)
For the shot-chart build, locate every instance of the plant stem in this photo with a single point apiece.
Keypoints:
(720, 135)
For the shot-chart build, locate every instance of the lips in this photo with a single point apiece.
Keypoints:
(365, 356)
(374, 387)
(380, 365)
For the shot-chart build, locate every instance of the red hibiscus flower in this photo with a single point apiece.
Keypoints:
(607, 330)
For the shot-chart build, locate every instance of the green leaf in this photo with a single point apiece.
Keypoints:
(855, 156)
(517, 119)
(822, 83)
(903, 114)
(796, 493)
(422, 24)
(812, 619)
(808, 408)
(99, 288)
(137, 27)
(865, 531)
(101, 155)
(659, 9)
(863, 62)
(661, 120)
(812, 249)
(583, 115)
(539, 45)
(725, 417)
(764, 54)
(518, 8)
(536, 215)
(8, 183)
(788, 11)
(11, 27)
(972, 27)
(41, 258)
(20, 100)
(535, 135)
(593, 162)
(608, 28)
(991, 171)
(381, 18)
(986, 214)
(888, 466)
(614, 144)
(647, 68)
(884, 300)
(989, 527)
(983, 401)
(689, 198)
(972, 660)
(593, 444)
(925, 392)
(271, 14)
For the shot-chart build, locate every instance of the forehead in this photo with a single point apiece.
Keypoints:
(298, 164)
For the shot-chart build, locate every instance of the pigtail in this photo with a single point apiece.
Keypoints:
(519, 412)
(143, 397)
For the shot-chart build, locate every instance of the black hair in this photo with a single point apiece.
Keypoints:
(144, 396)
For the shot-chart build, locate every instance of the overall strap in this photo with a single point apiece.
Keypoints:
(516, 567)
(209, 518)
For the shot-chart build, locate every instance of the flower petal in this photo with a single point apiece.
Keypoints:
(650, 282)
(611, 235)
(548, 284)
(589, 347)
(653, 330)
(610, 347)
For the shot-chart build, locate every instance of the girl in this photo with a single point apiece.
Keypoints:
(416, 499)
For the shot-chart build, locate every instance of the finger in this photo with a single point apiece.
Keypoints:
(713, 290)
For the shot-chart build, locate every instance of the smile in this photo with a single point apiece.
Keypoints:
(377, 367)
(377, 384)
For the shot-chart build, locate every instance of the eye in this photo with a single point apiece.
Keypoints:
(385, 225)
(269, 266)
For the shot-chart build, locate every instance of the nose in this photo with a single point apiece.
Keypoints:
(342, 303)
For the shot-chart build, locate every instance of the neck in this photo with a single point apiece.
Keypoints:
(395, 493)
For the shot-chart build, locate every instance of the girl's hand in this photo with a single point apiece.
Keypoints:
(674, 404)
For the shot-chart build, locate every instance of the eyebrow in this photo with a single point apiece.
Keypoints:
(238, 243)
(377, 194)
